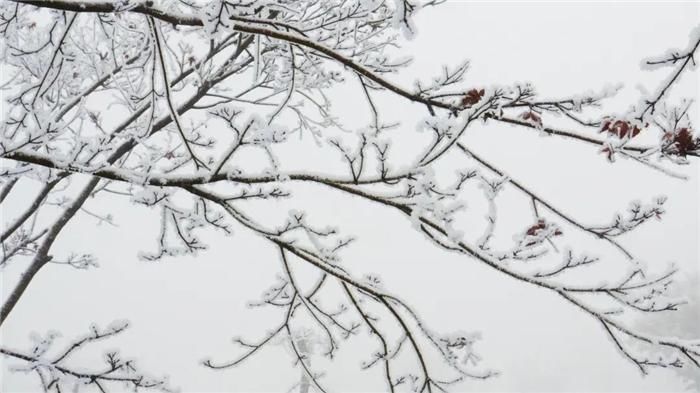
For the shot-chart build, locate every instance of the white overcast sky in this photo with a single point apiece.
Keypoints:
(186, 309)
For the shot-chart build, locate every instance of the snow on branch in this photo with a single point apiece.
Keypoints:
(56, 373)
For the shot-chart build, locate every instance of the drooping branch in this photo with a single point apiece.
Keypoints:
(544, 202)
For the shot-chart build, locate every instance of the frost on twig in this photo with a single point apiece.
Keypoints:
(638, 214)
(55, 371)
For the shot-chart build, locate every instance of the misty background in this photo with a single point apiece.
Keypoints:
(183, 310)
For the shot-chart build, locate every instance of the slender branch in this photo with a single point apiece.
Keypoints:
(33, 207)
(543, 202)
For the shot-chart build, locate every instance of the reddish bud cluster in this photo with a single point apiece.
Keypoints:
(472, 97)
(532, 118)
(683, 141)
(540, 225)
(620, 128)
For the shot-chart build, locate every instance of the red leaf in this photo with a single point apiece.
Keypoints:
(472, 97)
(620, 128)
(684, 141)
(540, 225)
(532, 231)
(532, 118)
